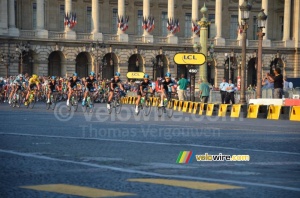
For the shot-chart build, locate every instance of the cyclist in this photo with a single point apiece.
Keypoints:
(142, 90)
(166, 87)
(90, 86)
(52, 87)
(17, 85)
(115, 82)
(73, 83)
(33, 84)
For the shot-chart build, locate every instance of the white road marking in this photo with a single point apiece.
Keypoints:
(151, 173)
(148, 142)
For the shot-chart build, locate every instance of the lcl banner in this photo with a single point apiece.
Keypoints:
(135, 75)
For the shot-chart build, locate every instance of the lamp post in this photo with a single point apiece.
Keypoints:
(97, 47)
(245, 11)
(229, 63)
(157, 63)
(20, 48)
(261, 19)
(5, 59)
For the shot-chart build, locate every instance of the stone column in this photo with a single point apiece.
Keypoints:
(287, 24)
(69, 33)
(4, 17)
(146, 13)
(95, 21)
(195, 18)
(266, 42)
(172, 39)
(203, 41)
(40, 20)
(12, 31)
(219, 40)
(121, 13)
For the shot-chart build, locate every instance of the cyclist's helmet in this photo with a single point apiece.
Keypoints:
(53, 78)
(146, 76)
(168, 75)
(92, 73)
(75, 74)
(20, 76)
(117, 74)
(34, 76)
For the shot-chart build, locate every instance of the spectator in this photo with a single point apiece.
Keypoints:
(266, 82)
(223, 91)
(278, 83)
(204, 91)
(183, 83)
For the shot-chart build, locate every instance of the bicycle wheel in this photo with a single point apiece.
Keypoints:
(169, 108)
(111, 107)
(53, 102)
(118, 105)
(147, 107)
(48, 105)
(31, 101)
(75, 103)
(13, 102)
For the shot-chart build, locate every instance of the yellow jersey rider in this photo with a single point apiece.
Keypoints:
(33, 83)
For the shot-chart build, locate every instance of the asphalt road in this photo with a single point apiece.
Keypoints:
(46, 153)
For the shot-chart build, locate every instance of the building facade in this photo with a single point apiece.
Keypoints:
(108, 36)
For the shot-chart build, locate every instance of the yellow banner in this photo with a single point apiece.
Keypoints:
(135, 75)
(189, 58)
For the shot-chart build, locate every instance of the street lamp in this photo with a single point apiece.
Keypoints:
(229, 65)
(245, 12)
(261, 23)
(157, 63)
(5, 59)
(97, 46)
(20, 48)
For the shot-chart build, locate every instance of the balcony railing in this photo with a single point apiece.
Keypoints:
(138, 39)
(277, 43)
(83, 36)
(185, 41)
(110, 38)
(253, 43)
(56, 35)
(27, 33)
(231, 42)
(135, 39)
(161, 40)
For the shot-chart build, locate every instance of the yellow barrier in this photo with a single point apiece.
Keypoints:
(210, 109)
(202, 105)
(176, 104)
(191, 106)
(252, 111)
(195, 108)
(222, 110)
(133, 100)
(154, 103)
(185, 106)
(274, 112)
(180, 105)
(235, 111)
(295, 113)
